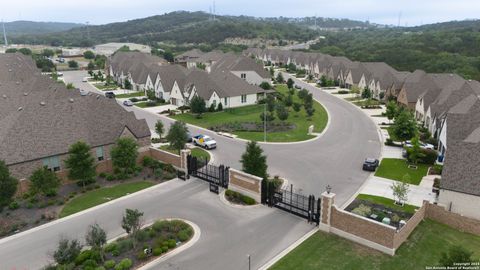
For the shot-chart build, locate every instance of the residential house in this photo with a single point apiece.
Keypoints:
(415, 84)
(243, 67)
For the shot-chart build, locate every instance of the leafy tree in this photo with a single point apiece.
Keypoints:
(265, 86)
(25, 51)
(88, 55)
(290, 83)
(201, 66)
(45, 181)
(270, 101)
(212, 107)
(280, 78)
(90, 66)
(323, 81)
(291, 67)
(366, 93)
(405, 126)
(177, 135)
(297, 107)
(168, 55)
(391, 110)
(198, 106)
(456, 254)
(81, 164)
(8, 185)
(100, 61)
(310, 77)
(219, 107)
(288, 100)
(96, 238)
(282, 112)
(253, 161)
(72, 64)
(272, 72)
(67, 251)
(415, 152)
(302, 94)
(159, 128)
(11, 50)
(151, 95)
(100, 76)
(310, 111)
(124, 155)
(124, 48)
(48, 53)
(400, 191)
(44, 64)
(132, 222)
(128, 85)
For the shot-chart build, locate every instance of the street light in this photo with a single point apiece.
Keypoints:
(265, 116)
(248, 255)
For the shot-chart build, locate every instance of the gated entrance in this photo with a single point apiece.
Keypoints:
(295, 203)
(216, 175)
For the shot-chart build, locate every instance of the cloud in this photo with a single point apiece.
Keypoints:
(413, 12)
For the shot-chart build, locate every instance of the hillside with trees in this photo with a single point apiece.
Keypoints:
(184, 27)
(17, 28)
(437, 48)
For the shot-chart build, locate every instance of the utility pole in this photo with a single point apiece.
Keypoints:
(399, 18)
(264, 117)
(88, 31)
(249, 264)
(4, 34)
(214, 10)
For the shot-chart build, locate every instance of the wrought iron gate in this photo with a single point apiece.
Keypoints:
(217, 175)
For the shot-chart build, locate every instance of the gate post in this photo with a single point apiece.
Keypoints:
(184, 154)
(326, 210)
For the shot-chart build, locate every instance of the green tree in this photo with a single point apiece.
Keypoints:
(265, 86)
(88, 55)
(280, 78)
(159, 128)
(270, 103)
(288, 100)
(177, 135)
(297, 107)
(8, 185)
(201, 66)
(366, 93)
(168, 55)
(197, 106)
(96, 238)
(132, 223)
(272, 72)
(282, 112)
(45, 181)
(323, 81)
(67, 251)
(151, 95)
(25, 51)
(90, 66)
(400, 192)
(456, 254)
(124, 155)
(405, 126)
(48, 53)
(391, 110)
(128, 85)
(72, 64)
(219, 107)
(302, 94)
(291, 68)
(290, 83)
(253, 161)
(415, 152)
(80, 164)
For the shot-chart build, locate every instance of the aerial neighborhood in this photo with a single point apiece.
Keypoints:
(193, 140)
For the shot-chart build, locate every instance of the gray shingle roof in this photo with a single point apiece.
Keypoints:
(232, 62)
(52, 117)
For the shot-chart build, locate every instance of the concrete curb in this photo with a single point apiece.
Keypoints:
(226, 202)
(60, 220)
(191, 242)
(284, 252)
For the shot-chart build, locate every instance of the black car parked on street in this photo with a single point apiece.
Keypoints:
(370, 164)
(110, 94)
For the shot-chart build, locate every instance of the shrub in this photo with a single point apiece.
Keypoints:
(247, 200)
(102, 175)
(87, 255)
(172, 243)
(343, 92)
(184, 235)
(157, 251)
(13, 205)
(142, 236)
(111, 247)
(389, 142)
(362, 210)
(115, 253)
(430, 156)
(134, 99)
(125, 245)
(164, 249)
(124, 264)
(100, 268)
(160, 225)
(89, 263)
(141, 255)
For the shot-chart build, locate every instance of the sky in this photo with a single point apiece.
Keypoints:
(413, 12)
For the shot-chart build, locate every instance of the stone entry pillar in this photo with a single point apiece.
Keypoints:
(325, 212)
(184, 153)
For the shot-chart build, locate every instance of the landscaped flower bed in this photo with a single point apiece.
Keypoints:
(131, 252)
(238, 198)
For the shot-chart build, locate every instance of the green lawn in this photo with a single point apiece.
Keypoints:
(101, 86)
(102, 195)
(146, 104)
(407, 208)
(196, 152)
(130, 95)
(252, 114)
(396, 169)
(423, 248)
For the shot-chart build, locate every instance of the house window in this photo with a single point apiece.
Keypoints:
(52, 163)
(244, 98)
(225, 101)
(243, 75)
(100, 155)
(214, 103)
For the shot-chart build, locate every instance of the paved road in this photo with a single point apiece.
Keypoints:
(227, 234)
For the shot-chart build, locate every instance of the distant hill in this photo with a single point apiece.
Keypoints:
(186, 27)
(17, 28)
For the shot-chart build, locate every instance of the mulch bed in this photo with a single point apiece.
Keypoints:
(253, 127)
(381, 211)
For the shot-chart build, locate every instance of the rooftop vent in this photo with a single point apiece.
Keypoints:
(42, 103)
(71, 100)
(25, 94)
(9, 70)
(20, 108)
(4, 96)
(98, 96)
(17, 83)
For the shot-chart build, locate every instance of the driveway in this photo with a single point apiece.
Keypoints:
(227, 234)
(335, 159)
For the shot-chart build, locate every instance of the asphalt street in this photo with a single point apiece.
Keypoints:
(334, 159)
